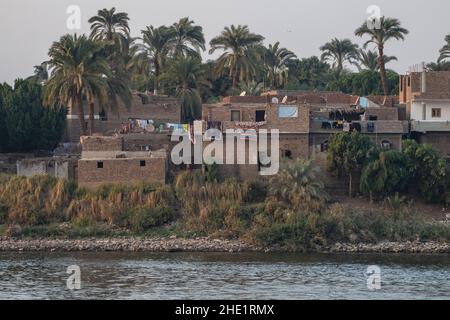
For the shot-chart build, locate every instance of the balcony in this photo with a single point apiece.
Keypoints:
(425, 126)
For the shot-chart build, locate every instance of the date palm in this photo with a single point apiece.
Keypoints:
(157, 44)
(276, 60)
(109, 25)
(75, 73)
(238, 44)
(445, 51)
(369, 60)
(339, 52)
(298, 183)
(188, 74)
(390, 28)
(188, 38)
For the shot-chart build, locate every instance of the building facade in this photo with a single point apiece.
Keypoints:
(426, 96)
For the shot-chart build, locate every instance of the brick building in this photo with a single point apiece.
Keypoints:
(158, 109)
(104, 161)
(257, 113)
(307, 120)
(426, 96)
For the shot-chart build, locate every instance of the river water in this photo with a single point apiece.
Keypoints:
(222, 276)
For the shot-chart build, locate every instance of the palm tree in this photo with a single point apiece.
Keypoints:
(276, 62)
(390, 28)
(369, 60)
(298, 183)
(189, 38)
(157, 44)
(439, 66)
(187, 73)
(109, 25)
(238, 44)
(445, 51)
(112, 29)
(338, 52)
(76, 73)
(252, 87)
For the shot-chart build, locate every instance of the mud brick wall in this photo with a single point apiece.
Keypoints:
(122, 171)
(222, 112)
(104, 143)
(439, 140)
(382, 113)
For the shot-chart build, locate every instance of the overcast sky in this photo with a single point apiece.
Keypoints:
(28, 27)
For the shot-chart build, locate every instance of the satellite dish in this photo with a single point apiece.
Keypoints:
(274, 100)
(243, 93)
(284, 99)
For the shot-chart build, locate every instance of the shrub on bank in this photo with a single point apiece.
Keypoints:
(43, 201)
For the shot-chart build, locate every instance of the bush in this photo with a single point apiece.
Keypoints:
(141, 219)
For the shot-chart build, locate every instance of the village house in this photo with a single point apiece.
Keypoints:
(426, 96)
(253, 113)
(155, 111)
(104, 160)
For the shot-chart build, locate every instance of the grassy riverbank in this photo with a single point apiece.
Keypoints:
(265, 213)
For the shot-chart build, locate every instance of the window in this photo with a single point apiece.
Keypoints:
(260, 115)
(235, 115)
(324, 146)
(287, 154)
(385, 144)
(409, 81)
(100, 165)
(436, 112)
(287, 112)
(142, 163)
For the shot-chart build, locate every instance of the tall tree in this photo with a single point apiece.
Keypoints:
(75, 73)
(276, 61)
(110, 25)
(390, 28)
(237, 44)
(369, 60)
(338, 52)
(445, 51)
(187, 73)
(157, 44)
(188, 38)
(347, 154)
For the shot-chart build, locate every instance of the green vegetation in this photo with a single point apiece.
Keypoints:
(390, 28)
(291, 209)
(385, 172)
(25, 124)
(347, 154)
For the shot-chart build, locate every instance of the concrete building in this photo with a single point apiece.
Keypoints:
(426, 96)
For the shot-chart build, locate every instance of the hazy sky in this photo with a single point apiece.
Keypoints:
(28, 27)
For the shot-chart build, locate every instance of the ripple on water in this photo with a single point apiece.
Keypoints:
(222, 276)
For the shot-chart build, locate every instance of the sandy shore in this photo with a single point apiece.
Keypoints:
(173, 244)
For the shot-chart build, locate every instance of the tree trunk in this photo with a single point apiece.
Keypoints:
(235, 74)
(350, 191)
(157, 71)
(382, 66)
(80, 110)
(91, 118)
